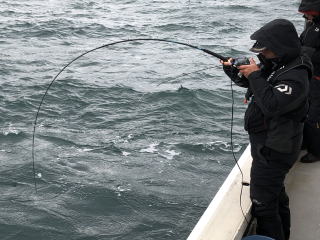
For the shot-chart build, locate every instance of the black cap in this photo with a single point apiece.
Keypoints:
(309, 5)
(258, 47)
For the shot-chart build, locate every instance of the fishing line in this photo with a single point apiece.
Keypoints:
(87, 52)
(35, 176)
(233, 154)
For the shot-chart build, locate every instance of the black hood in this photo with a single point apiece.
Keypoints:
(309, 5)
(281, 37)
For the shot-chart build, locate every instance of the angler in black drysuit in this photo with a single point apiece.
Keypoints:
(277, 92)
(310, 39)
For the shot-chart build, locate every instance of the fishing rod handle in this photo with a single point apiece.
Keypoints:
(215, 55)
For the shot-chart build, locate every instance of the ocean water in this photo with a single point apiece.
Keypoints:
(132, 141)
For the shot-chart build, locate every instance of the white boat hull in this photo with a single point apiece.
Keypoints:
(224, 220)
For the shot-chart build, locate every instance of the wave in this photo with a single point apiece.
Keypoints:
(210, 147)
(175, 27)
(12, 134)
(56, 28)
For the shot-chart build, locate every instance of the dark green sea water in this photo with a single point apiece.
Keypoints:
(127, 145)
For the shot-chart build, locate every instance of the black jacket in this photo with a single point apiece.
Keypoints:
(313, 49)
(310, 39)
(314, 98)
(279, 90)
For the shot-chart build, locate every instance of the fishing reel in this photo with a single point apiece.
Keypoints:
(236, 62)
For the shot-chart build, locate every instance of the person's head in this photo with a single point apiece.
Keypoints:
(310, 10)
(277, 39)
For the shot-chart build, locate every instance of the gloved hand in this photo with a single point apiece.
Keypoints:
(233, 73)
(229, 69)
(311, 36)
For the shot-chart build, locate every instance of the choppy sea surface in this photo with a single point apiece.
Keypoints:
(132, 141)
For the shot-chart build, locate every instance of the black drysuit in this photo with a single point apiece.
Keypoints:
(274, 120)
(310, 39)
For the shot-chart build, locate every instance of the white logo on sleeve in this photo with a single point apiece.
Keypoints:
(284, 89)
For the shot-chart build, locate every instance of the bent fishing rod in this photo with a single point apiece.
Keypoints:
(235, 62)
(95, 49)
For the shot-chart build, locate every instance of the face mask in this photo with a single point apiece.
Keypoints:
(268, 64)
(316, 19)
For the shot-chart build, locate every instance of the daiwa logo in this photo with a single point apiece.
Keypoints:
(316, 29)
(284, 89)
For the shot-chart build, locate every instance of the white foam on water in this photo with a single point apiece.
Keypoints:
(10, 130)
(85, 150)
(171, 154)
(151, 148)
(124, 153)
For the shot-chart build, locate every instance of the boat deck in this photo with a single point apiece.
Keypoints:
(303, 187)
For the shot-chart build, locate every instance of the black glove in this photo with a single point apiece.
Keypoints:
(233, 74)
(311, 36)
(231, 71)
